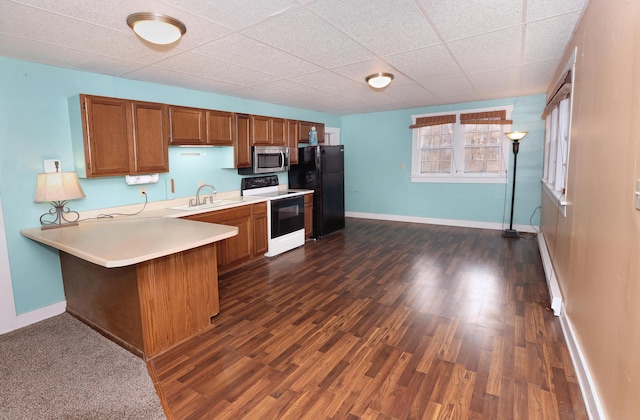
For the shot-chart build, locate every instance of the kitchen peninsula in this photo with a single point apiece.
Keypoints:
(146, 283)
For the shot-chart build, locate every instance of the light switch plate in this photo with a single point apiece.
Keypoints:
(50, 165)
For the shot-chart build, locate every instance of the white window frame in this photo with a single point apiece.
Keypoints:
(557, 144)
(459, 176)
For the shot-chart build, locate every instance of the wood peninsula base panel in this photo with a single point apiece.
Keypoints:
(149, 307)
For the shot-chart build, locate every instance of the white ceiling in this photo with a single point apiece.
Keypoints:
(309, 54)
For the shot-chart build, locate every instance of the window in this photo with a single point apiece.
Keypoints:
(467, 146)
(557, 116)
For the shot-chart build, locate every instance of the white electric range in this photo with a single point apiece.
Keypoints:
(285, 212)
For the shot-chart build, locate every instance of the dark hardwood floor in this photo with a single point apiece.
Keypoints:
(385, 320)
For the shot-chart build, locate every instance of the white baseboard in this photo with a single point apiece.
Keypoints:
(443, 222)
(32, 317)
(587, 386)
(552, 281)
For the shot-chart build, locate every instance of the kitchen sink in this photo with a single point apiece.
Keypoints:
(214, 203)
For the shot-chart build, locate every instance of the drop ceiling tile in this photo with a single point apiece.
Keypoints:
(293, 89)
(449, 86)
(246, 52)
(540, 75)
(426, 63)
(303, 34)
(209, 68)
(101, 13)
(371, 96)
(542, 9)
(175, 78)
(54, 55)
(328, 103)
(412, 94)
(380, 28)
(257, 94)
(235, 14)
(489, 51)
(547, 39)
(461, 19)
(35, 24)
(495, 79)
(328, 81)
(358, 72)
(305, 48)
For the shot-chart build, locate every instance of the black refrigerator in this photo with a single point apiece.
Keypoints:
(321, 168)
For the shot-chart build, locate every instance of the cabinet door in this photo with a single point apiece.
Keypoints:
(243, 141)
(292, 141)
(260, 128)
(220, 128)
(320, 130)
(308, 216)
(235, 249)
(150, 137)
(304, 128)
(260, 239)
(239, 248)
(187, 126)
(105, 124)
(279, 132)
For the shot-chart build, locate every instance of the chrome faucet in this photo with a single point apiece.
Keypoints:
(197, 201)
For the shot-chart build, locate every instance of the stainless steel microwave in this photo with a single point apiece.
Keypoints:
(267, 159)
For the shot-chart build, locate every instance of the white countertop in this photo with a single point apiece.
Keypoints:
(155, 232)
(122, 242)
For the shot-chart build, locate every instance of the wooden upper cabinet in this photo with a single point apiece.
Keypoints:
(242, 149)
(106, 128)
(188, 126)
(320, 130)
(279, 132)
(260, 130)
(305, 127)
(123, 137)
(292, 141)
(150, 137)
(221, 128)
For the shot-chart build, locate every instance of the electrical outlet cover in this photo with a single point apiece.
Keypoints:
(50, 165)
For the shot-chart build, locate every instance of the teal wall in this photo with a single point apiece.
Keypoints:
(377, 144)
(35, 125)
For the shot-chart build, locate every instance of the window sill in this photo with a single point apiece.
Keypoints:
(560, 200)
(460, 179)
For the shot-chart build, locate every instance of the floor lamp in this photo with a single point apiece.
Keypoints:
(515, 137)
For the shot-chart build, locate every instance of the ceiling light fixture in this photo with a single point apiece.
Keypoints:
(156, 28)
(379, 80)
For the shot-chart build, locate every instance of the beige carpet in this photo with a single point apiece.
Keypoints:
(62, 369)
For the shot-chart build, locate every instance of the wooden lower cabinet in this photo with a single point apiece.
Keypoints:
(308, 215)
(260, 238)
(251, 241)
(147, 307)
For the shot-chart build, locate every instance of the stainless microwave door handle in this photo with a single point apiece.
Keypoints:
(283, 161)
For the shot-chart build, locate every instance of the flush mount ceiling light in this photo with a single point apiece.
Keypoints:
(379, 80)
(156, 28)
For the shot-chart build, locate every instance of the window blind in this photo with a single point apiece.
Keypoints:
(487, 117)
(562, 91)
(435, 120)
